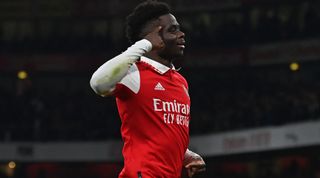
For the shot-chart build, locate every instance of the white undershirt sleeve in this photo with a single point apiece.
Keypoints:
(105, 78)
(132, 79)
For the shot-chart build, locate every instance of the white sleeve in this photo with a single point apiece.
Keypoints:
(105, 78)
(132, 79)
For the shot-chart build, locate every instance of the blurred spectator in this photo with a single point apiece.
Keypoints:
(210, 27)
(231, 99)
(55, 108)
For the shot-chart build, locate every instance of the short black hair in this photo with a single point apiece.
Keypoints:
(141, 15)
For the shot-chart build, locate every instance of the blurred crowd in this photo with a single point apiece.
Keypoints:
(53, 108)
(266, 165)
(34, 111)
(296, 163)
(245, 25)
(254, 25)
(235, 99)
(61, 106)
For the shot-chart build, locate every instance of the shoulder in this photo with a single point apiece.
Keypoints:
(182, 79)
(132, 79)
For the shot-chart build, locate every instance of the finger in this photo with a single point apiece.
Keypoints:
(193, 171)
(201, 170)
(197, 165)
(158, 29)
(190, 173)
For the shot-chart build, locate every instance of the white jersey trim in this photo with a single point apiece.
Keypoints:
(132, 79)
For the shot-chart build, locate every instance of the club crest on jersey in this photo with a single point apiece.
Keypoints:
(159, 87)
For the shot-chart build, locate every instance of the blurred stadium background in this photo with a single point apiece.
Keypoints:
(253, 68)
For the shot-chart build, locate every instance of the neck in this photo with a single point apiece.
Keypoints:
(159, 59)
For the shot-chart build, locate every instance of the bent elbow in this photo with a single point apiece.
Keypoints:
(99, 88)
(93, 84)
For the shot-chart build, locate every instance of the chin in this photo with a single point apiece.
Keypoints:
(178, 55)
(181, 53)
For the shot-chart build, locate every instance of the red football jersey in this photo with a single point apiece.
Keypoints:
(154, 107)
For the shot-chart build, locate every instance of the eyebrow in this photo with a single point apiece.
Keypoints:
(174, 26)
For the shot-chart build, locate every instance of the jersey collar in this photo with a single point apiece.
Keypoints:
(160, 68)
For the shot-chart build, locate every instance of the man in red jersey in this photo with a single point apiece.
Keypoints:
(152, 97)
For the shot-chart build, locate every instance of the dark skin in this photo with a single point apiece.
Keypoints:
(167, 44)
(167, 39)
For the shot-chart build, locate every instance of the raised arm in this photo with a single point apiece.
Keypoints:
(105, 78)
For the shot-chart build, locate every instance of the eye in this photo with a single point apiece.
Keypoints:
(174, 28)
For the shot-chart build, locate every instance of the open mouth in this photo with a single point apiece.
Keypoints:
(181, 43)
(181, 46)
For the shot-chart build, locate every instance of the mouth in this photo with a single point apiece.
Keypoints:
(181, 44)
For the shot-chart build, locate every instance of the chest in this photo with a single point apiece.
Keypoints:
(169, 87)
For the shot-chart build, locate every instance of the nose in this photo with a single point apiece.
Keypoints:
(181, 34)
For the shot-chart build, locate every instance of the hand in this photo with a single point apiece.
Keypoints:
(155, 39)
(195, 166)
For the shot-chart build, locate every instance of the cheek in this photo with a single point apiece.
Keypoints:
(169, 38)
(170, 43)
